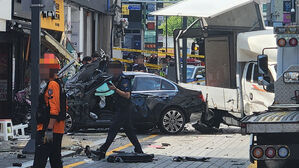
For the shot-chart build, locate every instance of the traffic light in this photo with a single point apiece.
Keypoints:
(195, 48)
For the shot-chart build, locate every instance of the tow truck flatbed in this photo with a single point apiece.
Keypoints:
(276, 121)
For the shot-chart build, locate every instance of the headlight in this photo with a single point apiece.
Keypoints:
(291, 77)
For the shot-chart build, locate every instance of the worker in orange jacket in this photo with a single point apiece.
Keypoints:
(48, 140)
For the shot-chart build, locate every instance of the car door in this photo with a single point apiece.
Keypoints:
(144, 93)
(150, 94)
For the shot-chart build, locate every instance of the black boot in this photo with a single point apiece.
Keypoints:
(100, 154)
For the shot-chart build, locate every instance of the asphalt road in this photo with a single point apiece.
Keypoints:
(225, 150)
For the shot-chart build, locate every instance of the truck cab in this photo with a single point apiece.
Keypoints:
(255, 97)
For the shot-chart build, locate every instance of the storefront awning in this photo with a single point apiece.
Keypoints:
(52, 44)
(201, 8)
(235, 13)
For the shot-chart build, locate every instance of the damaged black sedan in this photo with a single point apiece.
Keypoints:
(156, 102)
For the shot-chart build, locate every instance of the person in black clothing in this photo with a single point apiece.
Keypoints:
(153, 59)
(139, 66)
(122, 108)
(86, 60)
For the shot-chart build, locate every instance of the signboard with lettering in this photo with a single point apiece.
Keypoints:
(57, 21)
(134, 7)
(287, 18)
(125, 10)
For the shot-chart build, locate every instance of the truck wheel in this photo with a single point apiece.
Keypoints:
(172, 121)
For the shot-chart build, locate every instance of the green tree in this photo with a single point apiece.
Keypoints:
(175, 22)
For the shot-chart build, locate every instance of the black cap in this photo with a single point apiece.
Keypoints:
(115, 64)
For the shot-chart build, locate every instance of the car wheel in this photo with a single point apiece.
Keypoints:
(172, 121)
(69, 122)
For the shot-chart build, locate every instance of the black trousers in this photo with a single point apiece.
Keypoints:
(48, 150)
(122, 119)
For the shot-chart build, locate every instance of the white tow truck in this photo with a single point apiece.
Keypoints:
(275, 132)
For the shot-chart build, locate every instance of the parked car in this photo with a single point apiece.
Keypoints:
(156, 101)
(196, 74)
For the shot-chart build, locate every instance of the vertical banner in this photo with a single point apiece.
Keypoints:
(55, 23)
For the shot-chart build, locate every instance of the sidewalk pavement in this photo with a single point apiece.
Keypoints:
(71, 144)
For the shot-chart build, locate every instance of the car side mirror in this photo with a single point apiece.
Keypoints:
(199, 77)
(262, 63)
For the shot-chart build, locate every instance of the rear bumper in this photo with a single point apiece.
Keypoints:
(257, 128)
(271, 122)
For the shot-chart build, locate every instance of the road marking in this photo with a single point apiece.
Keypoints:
(74, 164)
(111, 152)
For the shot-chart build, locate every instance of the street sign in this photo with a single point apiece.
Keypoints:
(56, 22)
(134, 7)
(125, 10)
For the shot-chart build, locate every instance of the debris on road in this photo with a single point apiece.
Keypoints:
(118, 151)
(202, 159)
(193, 159)
(165, 144)
(160, 148)
(131, 157)
(21, 156)
(17, 164)
(78, 151)
(204, 129)
(154, 146)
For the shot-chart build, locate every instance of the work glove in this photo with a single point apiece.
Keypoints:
(48, 138)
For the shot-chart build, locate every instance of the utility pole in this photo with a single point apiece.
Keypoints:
(296, 10)
(157, 34)
(35, 81)
(184, 70)
(166, 47)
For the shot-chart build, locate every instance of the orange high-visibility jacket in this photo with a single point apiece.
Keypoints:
(52, 98)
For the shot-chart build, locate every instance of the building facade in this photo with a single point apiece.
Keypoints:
(79, 26)
(88, 25)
